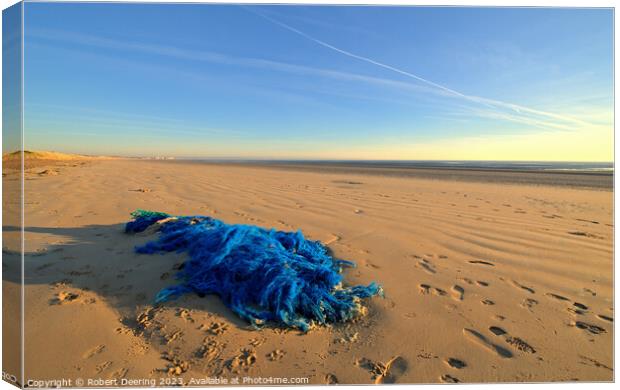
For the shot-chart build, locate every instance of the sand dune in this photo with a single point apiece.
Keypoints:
(484, 282)
(42, 155)
(35, 159)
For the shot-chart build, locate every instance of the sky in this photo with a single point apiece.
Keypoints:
(319, 82)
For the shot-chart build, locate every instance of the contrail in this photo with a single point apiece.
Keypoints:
(476, 99)
(347, 53)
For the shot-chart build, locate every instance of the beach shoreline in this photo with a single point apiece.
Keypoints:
(494, 282)
(602, 180)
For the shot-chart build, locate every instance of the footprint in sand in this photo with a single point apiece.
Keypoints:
(428, 289)
(481, 262)
(488, 302)
(455, 363)
(482, 283)
(521, 286)
(585, 234)
(590, 328)
(425, 289)
(515, 342)
(447, 378)
(529, 303)
(427, 266)
(217, 328)
(64, 297)
(256, 342)
(120, 373)
(591, 292)
(439, 292)
(388, 372)
(575, 311)
(480, 340)
(351, 182)
(103, 366)
(330, 379)
(580, 306)
(467, 280)
(497, 330)
(244, 360)
(48, 172)
(605, 318)
(185, 315)
(171, 337)
(276, 355)
(176, 366)
(594, 362)
(371, 265)
(587, 220)
(143, 190)
(556, 296)
(458, 292)
(348, 338)
(210, 350)
(519, 344)
(93, 351)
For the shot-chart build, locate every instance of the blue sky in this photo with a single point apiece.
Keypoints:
(319, 82)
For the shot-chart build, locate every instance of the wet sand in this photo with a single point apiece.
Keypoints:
(552, 177)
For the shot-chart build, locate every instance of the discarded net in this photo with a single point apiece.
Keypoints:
(262, 275)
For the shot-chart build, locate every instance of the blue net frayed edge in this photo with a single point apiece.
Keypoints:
(262, 275)
(142, 220)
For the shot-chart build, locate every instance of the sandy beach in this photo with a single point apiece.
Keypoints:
(484, 280)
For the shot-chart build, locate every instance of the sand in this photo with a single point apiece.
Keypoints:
(484, 281)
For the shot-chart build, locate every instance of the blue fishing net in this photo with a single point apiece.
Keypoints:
(262, 275)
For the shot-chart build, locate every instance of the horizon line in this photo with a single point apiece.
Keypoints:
(162, 156)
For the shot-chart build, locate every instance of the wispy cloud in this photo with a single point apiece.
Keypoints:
(519, 111)
(215, 57)
(52, 114)
(483, 107)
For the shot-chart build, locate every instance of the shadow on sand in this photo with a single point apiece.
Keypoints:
(101, 259)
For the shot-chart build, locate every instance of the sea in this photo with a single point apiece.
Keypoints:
(523, 166)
